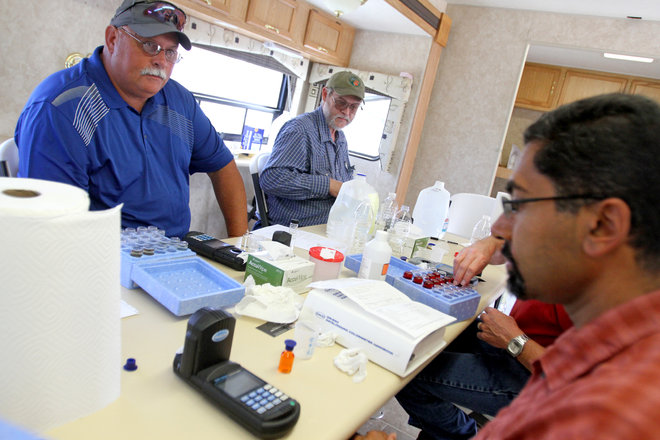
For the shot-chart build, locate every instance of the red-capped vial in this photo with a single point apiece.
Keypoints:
(428, 284)
(418, 279)
(408, 275)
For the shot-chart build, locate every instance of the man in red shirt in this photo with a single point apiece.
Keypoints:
(582, 230)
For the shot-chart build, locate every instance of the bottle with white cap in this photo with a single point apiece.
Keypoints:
(376, 258)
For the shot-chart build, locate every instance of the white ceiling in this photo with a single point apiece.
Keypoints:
(377, 15)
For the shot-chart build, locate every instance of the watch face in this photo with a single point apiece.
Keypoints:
(513, 348)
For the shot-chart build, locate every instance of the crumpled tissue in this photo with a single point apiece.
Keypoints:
(270, 303)
(276, 251)
(326, 339)
(353, 362)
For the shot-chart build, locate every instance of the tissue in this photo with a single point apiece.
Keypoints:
(270, 303)
(60, 304)
(353, 362)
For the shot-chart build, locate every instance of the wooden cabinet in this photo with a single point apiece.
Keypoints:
(544, 87)
(538, 86)
(328, 38)
(294, 24)
(278, 18)
(582, 84)
(230, 8)
(647, 88)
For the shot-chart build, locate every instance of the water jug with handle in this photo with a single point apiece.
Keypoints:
(431, 210)
(341, 220)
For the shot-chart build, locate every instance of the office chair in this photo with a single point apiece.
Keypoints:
(257, 165)
(8, 158)
(465, 210)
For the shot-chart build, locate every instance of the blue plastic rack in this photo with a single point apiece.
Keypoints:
(174, 275)
(459, 302)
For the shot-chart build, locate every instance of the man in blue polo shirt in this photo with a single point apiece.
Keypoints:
(310, 160)
(116, 126)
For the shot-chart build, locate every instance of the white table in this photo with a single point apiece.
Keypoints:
(156, 404)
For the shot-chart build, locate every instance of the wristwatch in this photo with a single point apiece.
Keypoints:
(516, 345)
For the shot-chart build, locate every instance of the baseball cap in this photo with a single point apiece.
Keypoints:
(150, 18)
(346, 83)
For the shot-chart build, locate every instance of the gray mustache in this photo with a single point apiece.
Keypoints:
(153, 71)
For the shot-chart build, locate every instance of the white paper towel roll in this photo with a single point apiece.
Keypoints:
(59, 305)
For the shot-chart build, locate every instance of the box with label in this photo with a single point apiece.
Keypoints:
(383, 343)
(406, 245)
(294, 272)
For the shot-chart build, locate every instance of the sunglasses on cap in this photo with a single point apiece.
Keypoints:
(163, 12)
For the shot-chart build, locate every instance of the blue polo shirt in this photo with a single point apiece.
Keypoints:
(76, 129)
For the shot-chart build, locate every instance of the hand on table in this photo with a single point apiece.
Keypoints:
(472, 260)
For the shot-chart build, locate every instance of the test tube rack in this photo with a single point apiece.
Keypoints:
(432, 286)
(174, 275)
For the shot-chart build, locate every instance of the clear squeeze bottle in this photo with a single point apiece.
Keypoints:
(287, 356)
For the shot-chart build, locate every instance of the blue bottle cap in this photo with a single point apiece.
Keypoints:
(289, 344)
(130, 365)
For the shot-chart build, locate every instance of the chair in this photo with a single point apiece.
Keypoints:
(8, 158)
(257, 165)
(465, 210)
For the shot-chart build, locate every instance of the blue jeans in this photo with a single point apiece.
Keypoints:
(469, 373)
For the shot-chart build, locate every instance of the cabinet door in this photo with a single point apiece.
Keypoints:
(232, 8)
(649, 89)
(578, 85)
(275, 16)
(328, 38)
(537, 87)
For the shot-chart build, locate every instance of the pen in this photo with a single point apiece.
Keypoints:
(447, 241)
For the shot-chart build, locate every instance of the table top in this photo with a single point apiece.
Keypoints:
(155, 403)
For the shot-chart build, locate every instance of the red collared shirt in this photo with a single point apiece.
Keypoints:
(601, 381)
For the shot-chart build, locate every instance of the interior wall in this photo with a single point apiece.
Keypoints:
(390, 53)
(36, 39)
(478, 78)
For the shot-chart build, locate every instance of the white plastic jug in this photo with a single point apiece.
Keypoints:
(341, 220)
(431, 210)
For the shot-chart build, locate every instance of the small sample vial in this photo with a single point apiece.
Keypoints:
(293, 227)
(287, 356)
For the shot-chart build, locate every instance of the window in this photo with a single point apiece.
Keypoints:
(233, 93)
(366, 131)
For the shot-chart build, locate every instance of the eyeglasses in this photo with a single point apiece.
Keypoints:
(511, 206)
(163, 12)
(152, 48)
(343, 105)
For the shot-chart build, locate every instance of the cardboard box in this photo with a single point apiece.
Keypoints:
(383, 343)
(294, 272)
(411, 244)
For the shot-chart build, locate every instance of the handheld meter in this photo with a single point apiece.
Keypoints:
(262, 409)
(214, 249)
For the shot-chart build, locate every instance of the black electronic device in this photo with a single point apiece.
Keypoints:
(214, 249)
(282, 237)
(259, 407)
